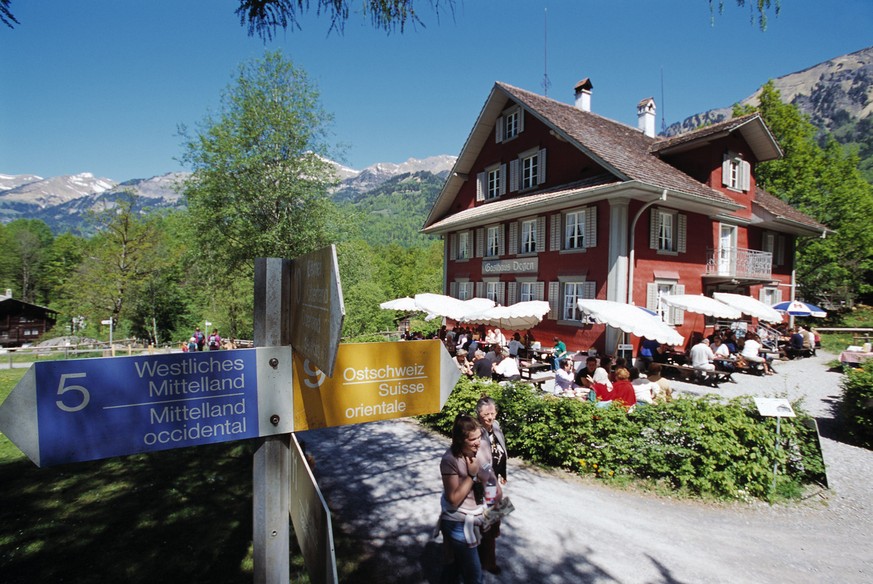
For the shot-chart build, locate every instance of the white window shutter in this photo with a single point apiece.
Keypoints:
(501, 240)
(480, 289)
(513, 175)
(453, 289)
(512, 293)
(498, 130)
(481, 187)
(501, 293)
(541, 233)
(541, 163)
(555, 300)
(654, 216)
(556, 232)
(590, 289)
(778, 295)
(453, 246)
(726, 170)
(746, 175)
(677, 315)
(652, 296)
(520, 120)
(480, 242)
(540, 290)
(591, 227)
(513, 238)
(682, 238)
(502, 179)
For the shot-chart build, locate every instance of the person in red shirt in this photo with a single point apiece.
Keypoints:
(622, 390)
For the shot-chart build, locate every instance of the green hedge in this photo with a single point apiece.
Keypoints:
(695, 446)
(856, 409)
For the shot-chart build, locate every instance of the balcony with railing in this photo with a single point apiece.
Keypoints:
(739, 263)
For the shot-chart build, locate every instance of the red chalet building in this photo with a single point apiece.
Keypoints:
(549, 201)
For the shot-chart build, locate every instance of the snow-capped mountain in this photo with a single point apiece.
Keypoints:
(64, 201)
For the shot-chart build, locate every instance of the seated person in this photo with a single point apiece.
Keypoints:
(558, 353)
(751, 346)
(592, 371)
(506, 369)
(482, 367)
(648, 348)
(644, 390)
(661, 354)
(795, 344)
(464, 366)
(622, 389)
(723, 359)
(564, 379)
(515, 346)
(663, 391)
(702, 356)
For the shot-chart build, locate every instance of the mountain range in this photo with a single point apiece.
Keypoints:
(394, 198)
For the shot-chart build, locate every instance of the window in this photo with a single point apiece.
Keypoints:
(775, 244)
(464, 245)
(574, 230)
(736, 172)
(563, 296)
(492, 291)
(527, 291)
(509, 125)
(465, 290)
(770, 295)
(493, 184)
(529, 236)
(667, 232)
(654, 301)
(493, 247)
(528, 171)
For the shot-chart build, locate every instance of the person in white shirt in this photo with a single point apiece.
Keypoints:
(644, 389)
(702, 356)
(751, 347)
(506, 369)
(564, 384)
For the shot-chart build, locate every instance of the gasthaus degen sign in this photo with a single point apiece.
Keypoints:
(373, 381)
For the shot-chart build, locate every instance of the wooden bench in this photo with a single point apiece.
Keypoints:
(536, 373)
(701, 376)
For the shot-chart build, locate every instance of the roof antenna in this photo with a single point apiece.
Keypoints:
(546, 82)
(663, 117)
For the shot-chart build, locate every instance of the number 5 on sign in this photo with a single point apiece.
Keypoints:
(63, 388)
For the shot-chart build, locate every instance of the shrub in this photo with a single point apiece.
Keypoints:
(699, 446)
(856, 409)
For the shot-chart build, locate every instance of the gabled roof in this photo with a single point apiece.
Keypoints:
(622, 151)
(751, 126)
(776, 213)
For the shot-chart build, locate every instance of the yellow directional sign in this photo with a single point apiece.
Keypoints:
(373, 381)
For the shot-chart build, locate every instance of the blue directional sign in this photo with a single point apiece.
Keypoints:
(87, 409)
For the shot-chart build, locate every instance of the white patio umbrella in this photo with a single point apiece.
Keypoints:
(515, 317)
(798, 308)
(449, 307)
(635, 320)
(702, 305)
(406, 303)
(749, 305)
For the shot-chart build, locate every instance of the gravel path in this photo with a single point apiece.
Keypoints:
(382, 484)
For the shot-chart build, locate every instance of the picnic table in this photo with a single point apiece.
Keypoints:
(702, 376)
(536, 372)
(854, 358)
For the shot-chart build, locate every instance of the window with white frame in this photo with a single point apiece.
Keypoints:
(529, 236)
(465, 290)
(493, 241)
(527, 291)
(510, 125)
(574, 230)
(530, 171)
(770, 295)
(655, 292)
(492, 291)
(736, 172)
(563, 296)
(465, 245)
(667, 231)
(494, 181)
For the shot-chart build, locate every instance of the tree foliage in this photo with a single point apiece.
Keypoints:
(260, 171)
(825, 183)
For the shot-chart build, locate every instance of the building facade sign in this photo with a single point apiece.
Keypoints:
(511, 266)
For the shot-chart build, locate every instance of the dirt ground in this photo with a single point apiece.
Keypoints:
(382, 484)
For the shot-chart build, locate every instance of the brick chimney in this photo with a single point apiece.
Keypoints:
(583, 95)
(646, 116)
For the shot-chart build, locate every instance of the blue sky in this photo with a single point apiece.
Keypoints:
(101, 86)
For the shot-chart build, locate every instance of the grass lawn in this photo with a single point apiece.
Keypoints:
(177, 516)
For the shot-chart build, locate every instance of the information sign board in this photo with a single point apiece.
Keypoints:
(87, 409)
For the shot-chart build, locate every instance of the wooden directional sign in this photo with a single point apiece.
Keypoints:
(374, 381)
(87, 409)
(317, 309)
